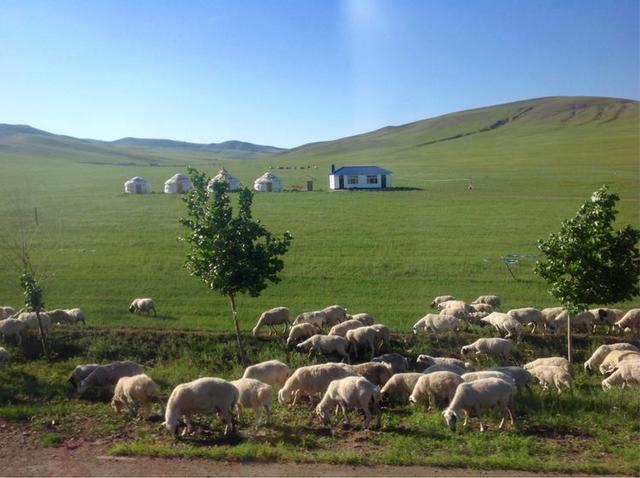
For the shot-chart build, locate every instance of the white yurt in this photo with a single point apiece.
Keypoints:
(268, 182)
(137, 185)
(177, 184)
(224, 175)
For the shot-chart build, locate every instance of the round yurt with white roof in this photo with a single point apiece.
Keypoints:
(137, 185)
(268, 182)
(177, 184)
(223, 175)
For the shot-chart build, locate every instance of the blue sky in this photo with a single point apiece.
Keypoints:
(290, 72)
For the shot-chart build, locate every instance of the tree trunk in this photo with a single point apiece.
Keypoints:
(43, 339)
(569, 336)
(241, 354)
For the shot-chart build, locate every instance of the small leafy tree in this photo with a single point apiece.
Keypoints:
(230, 254)
(587, 262)
(33, 300)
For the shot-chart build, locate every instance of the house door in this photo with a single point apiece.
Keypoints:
(384, 181)
(341, 182)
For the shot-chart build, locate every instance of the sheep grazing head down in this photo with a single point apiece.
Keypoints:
(323, 414)
(174, 427)
(285, 396)
(451, 418)
(131, 308)
(464, 350)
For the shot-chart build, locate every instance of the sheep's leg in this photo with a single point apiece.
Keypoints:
(295, 397)
(267, 409)
(466, 418)
(367, 417)
(344, 414)
(228, 419)
(188, 425)
(430, 401)
(257, 420)
(510, 416)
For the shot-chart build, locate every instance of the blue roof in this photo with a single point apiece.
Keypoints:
(360, 170)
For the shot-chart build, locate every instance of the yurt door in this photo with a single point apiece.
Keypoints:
(269, 187)
(384, 181)
(139, 188)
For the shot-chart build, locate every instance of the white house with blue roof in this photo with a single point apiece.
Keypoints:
(359, 177)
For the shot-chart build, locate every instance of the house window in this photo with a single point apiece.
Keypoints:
(352, 179)
(372, 179)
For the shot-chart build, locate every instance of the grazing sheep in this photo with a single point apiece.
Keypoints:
(492, 300)
(614, 357)
(437, 323)
(461, 312)
(630, 320)
(11, 326)
(399, 387)
(473, 376)
(427, 361)
(301, 332)
(326, 345)
(551, 375)
(312, 380)
(434, 387)
(67, 316)
(484, 308)
(520, 376)
(5, 356)
(6, 312)
(492, 346)
(606, 317)
(383, 335)
(362, 339)
(554, 361)
(582, 321)
(271, 318)
(316, 317)
(626, 374)
(108, 375)
(350, 392)
(477, 396)
(143, 305)
(30, 320)
(254, 394)
(399, 363)
(80, 372)
(548, 316)
(452, 304)
(137, 390)
(334, 314)
(601, 353)
(528, 316)
(342, 328)
(377, 373)
(444, 367)
(504, 323)
(271, 372)
(440, 299)
(204, 395)
(363, 317)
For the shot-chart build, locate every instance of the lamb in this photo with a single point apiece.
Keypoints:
(614, 357)
(427, 360)
(67, 316)
(204, 395)
(136, 390)
(477, 396)
(316, 317)
(326, 345)
(520, 376)
(350, 392)
(504, 323)
(30, 320)
(626, 374)
(400, 386)
(342, 328)
(312, 380)
(606, 317)
(443, 367)
(11, 326)
(271, 372)
(630, 320)
(363, 317)
(492, 346)
(377, 373)
(383, 335)
(108, 375)
(5, 356)
(363, 338)
(436, 386)
(80, 372)
(551, 375)
(492, 300)
(554, 361)
(398, 362)
(254, 394)
(301, 332)
(436, 323)
(6, 312)
(528, 316)
(473, 376)
(143, 305)
(271, 318)
(334, 314)
(440, 299)
(601, 352)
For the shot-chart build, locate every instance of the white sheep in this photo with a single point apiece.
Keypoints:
(427, 361)
(143, 305)
(312, 380)
(6, 312)
(334, 314)
(452, 304)
(491, 346)
(440, 299)
(399, 387)
(30, 320)
(204, 395)
(551, 375)
(5, 356)
(399, 363)
(492, 300)
(137, 390)
(614, 357)
(607, 317)
(529, 316)
(437, 323)
(350, 392)
(366, 319)
(480, 307)
(254, 394)
(473, 376)
(342, 328)
(11, 326)
(363, 338)
(67, 316)
(326, 345)
(554, 361)
(478, 396)
(630, 320)
(377, 373)
(520, 376)
(272, 317)
(316, 317)
(108, 375)
(601, 353)
(444, 367)
(626, 374)
(383, 336)
(434, 387)
(271, 372)
(301, 332)
(582, 321)
(80, 372)
(504, 323)
(548, 316)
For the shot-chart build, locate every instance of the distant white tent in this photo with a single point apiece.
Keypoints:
(137, 185)
(268, 182)
(233, 183)
(177, 184)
